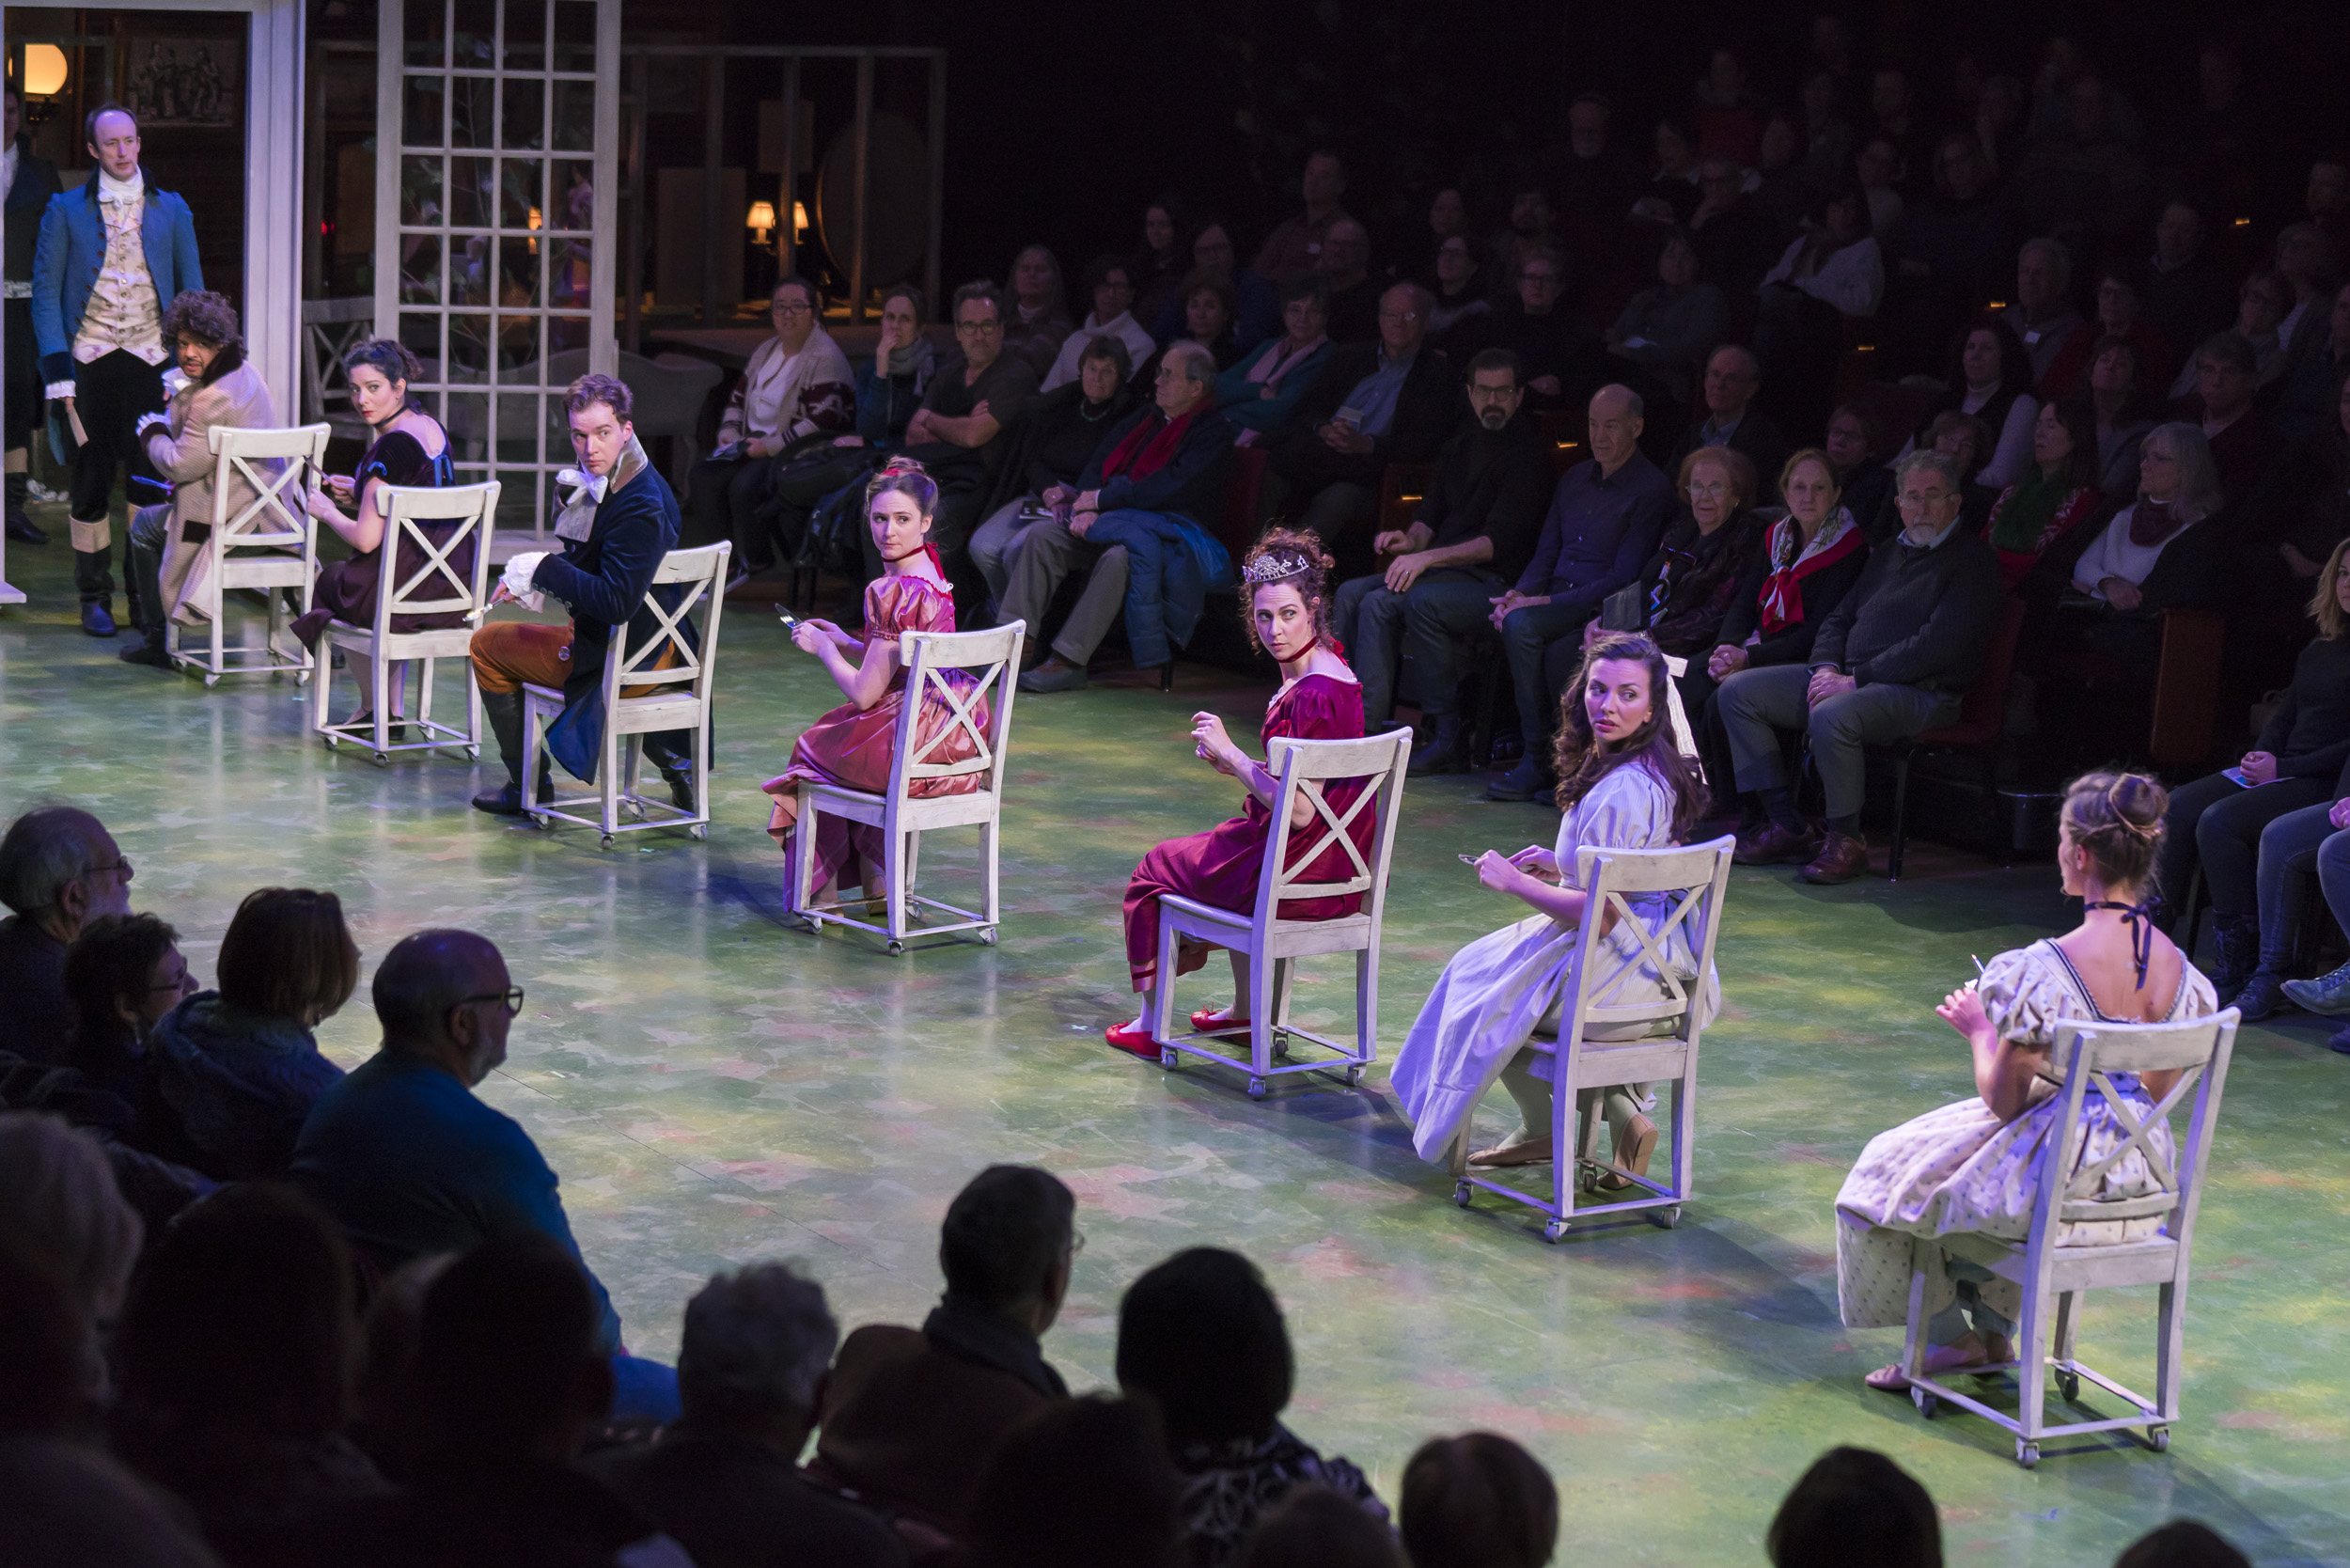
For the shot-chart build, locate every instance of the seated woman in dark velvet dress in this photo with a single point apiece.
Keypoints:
(410, 448)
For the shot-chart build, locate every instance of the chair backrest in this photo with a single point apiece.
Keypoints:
(328, 328)
(2199, 1051)
(662, 656)
(930, 658)
(1695, 877)
(277, 468)
(419, 577)
(1984, 711)
(1304, 769)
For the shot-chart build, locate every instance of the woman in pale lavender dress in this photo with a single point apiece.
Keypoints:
(1969, 1167)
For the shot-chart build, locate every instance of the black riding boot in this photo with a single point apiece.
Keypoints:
(503, 711)
(22, 527)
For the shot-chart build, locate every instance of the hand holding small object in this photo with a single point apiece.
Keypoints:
(1497, 871)
(1962, 1010)
(344, 485)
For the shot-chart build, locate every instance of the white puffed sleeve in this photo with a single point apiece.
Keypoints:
(2024, 992)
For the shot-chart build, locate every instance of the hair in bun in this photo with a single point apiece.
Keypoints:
(908, 477)
(2117, 817)
(1287, 557)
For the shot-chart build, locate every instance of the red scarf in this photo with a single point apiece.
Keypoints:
(1145, 451)
(1783, 591)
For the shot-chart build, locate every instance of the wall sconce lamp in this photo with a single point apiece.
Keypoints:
(45, 76)
(761, 220)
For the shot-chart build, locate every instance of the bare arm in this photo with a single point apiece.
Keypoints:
(972, 430)
(363, 533)
(2005, 1071)
(1212, 742)
(863, 684)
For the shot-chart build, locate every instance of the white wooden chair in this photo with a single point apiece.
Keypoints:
(903, 817)
(1677, 666)
(1274, 945)
(1603, 1043)
(2053, 1276)
(671, 695)
(277, 523)
(417, 577)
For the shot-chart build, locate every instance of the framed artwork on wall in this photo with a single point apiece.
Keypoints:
(185, 81)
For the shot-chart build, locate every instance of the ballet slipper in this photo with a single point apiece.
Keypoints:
(1532, 1151)
(1212, 1020)
(1639, 1143)
(1127, 1037)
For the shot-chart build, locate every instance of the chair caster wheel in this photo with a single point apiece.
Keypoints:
(699, 830)
(1166, 1058)
(1255, 1089)
(1461, 1191)
(302, 678)
(1555, 1231)
(1665, 1219)
(211, 680)
(473, 753)
(1923, 1400)
(607, 840)
(537, 821)
(383, 760)
(987, 935)
(2070, 1387)
(896, 949)
(2027, 1453)
(2158, 1438)
(333, 742)
(1355, 1075)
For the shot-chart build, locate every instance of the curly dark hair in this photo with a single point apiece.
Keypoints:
(1299, 549)
(207, 317)
(1581, 762)
(389, 355)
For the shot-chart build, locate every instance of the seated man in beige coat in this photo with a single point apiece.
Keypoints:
(212, 386)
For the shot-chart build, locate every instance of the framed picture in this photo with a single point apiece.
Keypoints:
(192, 82)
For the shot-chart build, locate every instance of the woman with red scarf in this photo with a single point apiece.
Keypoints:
(1810, 560)
(1146, 499)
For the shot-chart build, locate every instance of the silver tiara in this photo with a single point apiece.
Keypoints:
(1270, 568)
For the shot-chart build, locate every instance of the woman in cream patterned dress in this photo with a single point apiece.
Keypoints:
(1969, 1167)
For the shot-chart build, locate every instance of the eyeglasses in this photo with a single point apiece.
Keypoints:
(512, 998)
(791, 308)
(980, 328)
(1399, 315)
(122, 866)
(1704, 492)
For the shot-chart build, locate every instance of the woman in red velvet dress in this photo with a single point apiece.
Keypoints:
(1286, 578)
(855, 744)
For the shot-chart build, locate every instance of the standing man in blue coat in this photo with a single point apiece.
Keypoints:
(617, 522)
(112, 256)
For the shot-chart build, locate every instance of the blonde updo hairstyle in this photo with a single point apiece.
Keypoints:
(1287, 557)
(2117, 817)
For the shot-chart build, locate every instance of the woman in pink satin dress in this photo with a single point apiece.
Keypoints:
(855, 744)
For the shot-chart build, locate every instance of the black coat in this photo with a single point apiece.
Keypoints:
(604, 579)
(36, 182)
(1426, 412)
(1494, 484)
(1189, 484)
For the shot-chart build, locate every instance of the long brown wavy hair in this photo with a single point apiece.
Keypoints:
(1581, 762)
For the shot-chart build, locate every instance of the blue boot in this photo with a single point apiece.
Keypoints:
(2328, 995)
(2237, 939)
(2261, 993)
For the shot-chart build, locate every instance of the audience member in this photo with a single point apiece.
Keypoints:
(1373, 405)
(1894, 658)
(2245, 830)
(2187, 297)
(1110, 287)
(386, 1423)
(1892, 110)
(122, 975)
(1457, 302)
(1967, 442)
(1671, 191)
(2057, 493)
(2326, 200)
(1668, 330)
(2120, 313)
(2310, 504)
(1467, 541)
(1855, 1506)
(1297, 245)
(1478, 1501)
(1828, 135)
(796, 392)
(163, 552)
(511, 1382)
(1688, 587)
(2312, 384)
(1259, 395)
(50, 1363)
(1213, 250)
(232, 1074)
(2306, 263)
(2182, 1543)
(957, 435)
(59, 870)
(2083, 182)
(2261, 306)
(1832, 273)
(911, 1418)
(614, 525)
(1604, 523)
(61, 1215)
(1315, 1527)
(1345, 271)
(1728, 113)
(1037, 323)
(892, 382)
(1595, 177)
(1080, 1484)
(1208, 320)
(1733, 377)
(1208, 1307)
(1949, 257)
(2115, 397)
(1878, 169)
(1153, 489)
(1863, 477)
(2226, 368)
(1055, 440)
(1163, 259)
(236, 1348)
(1448, 217)
(1557, 355)
(402, 1154)
(2043, 317)
(1781, 187)
(724, 1481)
(1532, 227)
(1992, 381)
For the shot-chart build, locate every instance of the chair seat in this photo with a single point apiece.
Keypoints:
(264, 572)
(1603, 1066)
(454, 642)
(2150, 1262)
(1282, 938)
(920, 813)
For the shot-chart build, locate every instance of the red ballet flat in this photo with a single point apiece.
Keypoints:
(1206, 1022)
(1136, 1041)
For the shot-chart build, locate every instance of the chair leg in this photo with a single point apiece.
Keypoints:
(1566, 1113)
(894, 882)
(2068, 1323)
(424, 698)
(2169, 1347)
(1684, 1135)
(913, 858)
(1367, 1003)
(472, 714)
(1914, 1340)
(2031, 1359)
(1162, 1019)
(608, 768)
(533, 760)
(321, 680)
(802, 867)
(1901, 819)
(1268, 996)
(381, 672)
(1284, 982)
(989, 831)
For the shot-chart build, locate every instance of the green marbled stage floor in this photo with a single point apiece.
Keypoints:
(715, 1088)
